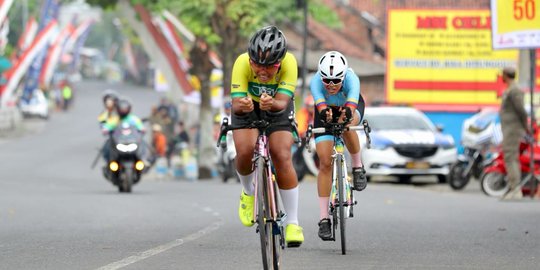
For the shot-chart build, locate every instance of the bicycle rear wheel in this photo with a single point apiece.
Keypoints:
(269, 252)
(341, 203)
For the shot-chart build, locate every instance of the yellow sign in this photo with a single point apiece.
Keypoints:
(515, 23)
(443, 60)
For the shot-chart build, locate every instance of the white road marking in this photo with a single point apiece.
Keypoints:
(159, 249)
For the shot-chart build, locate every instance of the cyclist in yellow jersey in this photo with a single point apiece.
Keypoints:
(264, 79)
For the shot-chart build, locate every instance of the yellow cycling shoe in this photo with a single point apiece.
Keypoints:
(294, 237)
(245, 209)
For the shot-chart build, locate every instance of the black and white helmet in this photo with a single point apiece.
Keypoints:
(123, 107)
(333, 65)
(267, 46)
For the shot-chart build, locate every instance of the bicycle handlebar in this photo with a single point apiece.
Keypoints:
(338, 128)
(260, 124)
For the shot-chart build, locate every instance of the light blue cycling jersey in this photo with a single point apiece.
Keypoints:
(349, 93)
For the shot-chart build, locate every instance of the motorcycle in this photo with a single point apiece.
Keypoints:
(126, 154)
(226, 157)
(305, 161)
(494, 182)
(479, 134)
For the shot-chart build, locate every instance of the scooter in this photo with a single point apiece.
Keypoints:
(494, 182)
(226, 158)
(126, 163)
(305, 161)
(479, 134)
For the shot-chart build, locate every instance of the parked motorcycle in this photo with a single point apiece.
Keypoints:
(493, 180)
(479, 134)
(126, 163)
(226, 157)
(305, 161)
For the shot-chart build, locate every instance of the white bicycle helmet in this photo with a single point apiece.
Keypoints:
(333, 65)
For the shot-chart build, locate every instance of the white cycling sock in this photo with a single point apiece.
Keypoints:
(357, 160)
(290, 203)
(323, 207)
(247, 183)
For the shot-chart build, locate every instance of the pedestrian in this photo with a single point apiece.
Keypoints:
(67, 94)
(514, 127)
(159, 141)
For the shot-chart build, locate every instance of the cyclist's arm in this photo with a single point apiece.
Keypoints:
(317, 91)
(286, 84)
(352, 84)
(239, 82)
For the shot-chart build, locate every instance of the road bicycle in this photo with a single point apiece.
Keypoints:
(341, 203)
(267, 209)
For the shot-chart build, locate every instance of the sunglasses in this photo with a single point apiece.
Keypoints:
(276, 65)
(333, 81)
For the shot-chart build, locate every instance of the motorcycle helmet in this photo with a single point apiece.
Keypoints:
(123, 107)
(110, 94)
(267, 46)
(333, 67)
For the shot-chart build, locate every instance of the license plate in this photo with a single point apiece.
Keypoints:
(417, 165)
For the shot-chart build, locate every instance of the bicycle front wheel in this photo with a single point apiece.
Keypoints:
(342, 200)
(269, 250)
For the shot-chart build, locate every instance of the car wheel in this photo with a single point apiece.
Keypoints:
(442, 179)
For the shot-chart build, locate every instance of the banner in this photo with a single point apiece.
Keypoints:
(53, 55)
(49, 13)
(442, 60)
(515, 23)
(15, 74)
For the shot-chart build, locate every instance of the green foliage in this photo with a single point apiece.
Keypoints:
(17, 22)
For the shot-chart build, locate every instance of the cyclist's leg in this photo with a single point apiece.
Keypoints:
(280, 143)
(324, 179)
(244, 143)
(353, 145)
(324, 184)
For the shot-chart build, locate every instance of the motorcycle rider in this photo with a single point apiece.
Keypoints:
(123, 108)
(109, 114)
(110, 99)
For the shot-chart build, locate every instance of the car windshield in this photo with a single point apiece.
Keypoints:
(397, 122)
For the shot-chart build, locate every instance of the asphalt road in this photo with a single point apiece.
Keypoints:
(58, 213)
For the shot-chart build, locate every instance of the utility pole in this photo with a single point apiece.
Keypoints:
(304, 47)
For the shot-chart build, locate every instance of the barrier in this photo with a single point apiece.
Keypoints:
(10, 119)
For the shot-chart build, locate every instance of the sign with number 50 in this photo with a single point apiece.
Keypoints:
(515, 24)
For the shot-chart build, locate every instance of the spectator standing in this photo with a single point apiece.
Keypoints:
(514, 127)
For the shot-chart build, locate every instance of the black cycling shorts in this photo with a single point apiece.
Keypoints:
(281, 117)
(335, 115)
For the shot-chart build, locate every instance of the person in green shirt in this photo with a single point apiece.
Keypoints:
(67, 94)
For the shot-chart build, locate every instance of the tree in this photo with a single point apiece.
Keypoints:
(224, 25)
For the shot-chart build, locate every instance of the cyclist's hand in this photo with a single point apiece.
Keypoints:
(346, 115)
(326, 115)
(266, 102)
(245, 104)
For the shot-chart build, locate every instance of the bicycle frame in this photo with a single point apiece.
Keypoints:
(340, 185)
(266, 210)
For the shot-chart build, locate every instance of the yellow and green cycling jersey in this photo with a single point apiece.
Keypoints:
(244, 81)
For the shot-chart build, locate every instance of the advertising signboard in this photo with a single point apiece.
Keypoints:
(516, 23)
(442, 60)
